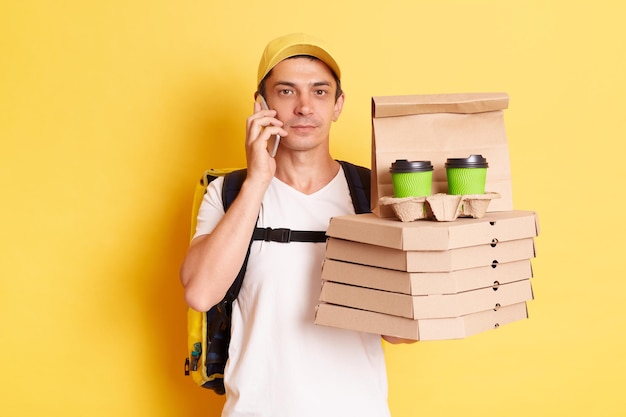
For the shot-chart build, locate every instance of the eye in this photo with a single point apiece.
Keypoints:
(321, 92)
(285, 92)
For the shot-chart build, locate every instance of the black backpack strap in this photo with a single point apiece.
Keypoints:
(359, 182)
(218, 317)
(287, 235)
(232, 184)
(358, 179)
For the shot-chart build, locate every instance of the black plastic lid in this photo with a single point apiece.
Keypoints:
(473, 161)
(403, 165)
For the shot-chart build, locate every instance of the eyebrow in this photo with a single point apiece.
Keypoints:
(314, 84)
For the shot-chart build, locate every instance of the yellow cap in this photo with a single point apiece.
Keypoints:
(292, 45)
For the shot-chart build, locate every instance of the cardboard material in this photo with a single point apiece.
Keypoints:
(430, 261)
(437, 127)
(426, 283)
(434, 236)
(440, 207)
(424, 329)
(465, 270)
(426, 306)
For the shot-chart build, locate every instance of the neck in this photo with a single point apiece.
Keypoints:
(307, 175)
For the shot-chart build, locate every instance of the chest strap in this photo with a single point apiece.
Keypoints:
(287, 235)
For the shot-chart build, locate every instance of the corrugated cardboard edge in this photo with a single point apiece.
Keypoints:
(425, 283)
(433, 306)
(365, 321)
(464, 103)
(428, 329)
(430, 261)
(431, 235)
(465, 326)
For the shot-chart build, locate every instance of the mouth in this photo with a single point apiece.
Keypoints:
(303, 125)
(302, 128)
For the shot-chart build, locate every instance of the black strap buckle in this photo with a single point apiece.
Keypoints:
(287, 235)
(273, 235)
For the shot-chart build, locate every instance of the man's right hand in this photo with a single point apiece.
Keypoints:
(260, 127)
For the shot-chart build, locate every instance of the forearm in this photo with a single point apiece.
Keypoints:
(213, 260)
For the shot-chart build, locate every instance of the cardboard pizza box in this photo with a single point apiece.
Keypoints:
(426, 306)
(426, 283)
(424, 329)
(430, 235)
(430, 261)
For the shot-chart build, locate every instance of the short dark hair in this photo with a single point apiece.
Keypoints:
(338, 93)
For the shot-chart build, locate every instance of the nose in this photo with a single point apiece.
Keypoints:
(303, 107)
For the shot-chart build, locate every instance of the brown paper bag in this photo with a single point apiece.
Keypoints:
(437, 127)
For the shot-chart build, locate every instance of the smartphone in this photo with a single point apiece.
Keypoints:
(272, 144)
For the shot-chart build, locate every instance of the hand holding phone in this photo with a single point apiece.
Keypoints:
(276, 139)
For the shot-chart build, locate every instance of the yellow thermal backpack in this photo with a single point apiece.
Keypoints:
(208, 333)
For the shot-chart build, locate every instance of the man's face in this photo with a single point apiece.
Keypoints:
(302, 91)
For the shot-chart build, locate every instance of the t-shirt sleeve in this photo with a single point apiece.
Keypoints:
(211, 208)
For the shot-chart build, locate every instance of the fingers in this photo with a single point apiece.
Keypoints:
(262, 125)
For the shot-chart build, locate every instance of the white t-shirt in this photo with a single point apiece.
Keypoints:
(282, 364)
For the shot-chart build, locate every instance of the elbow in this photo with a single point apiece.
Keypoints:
(196, 304)
(196, 296)
(199, 296)
(198, 300)
(201, 293)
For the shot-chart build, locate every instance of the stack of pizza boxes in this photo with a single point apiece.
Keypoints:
(429, 279)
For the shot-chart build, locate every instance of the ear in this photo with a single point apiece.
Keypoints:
(338, 107)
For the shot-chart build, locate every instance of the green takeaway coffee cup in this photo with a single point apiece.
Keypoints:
(466, 175)
(411, 178)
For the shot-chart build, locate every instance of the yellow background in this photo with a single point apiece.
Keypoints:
(110, 111)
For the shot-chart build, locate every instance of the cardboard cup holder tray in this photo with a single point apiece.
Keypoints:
(440, 207)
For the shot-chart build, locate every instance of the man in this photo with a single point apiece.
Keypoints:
(280, 363)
